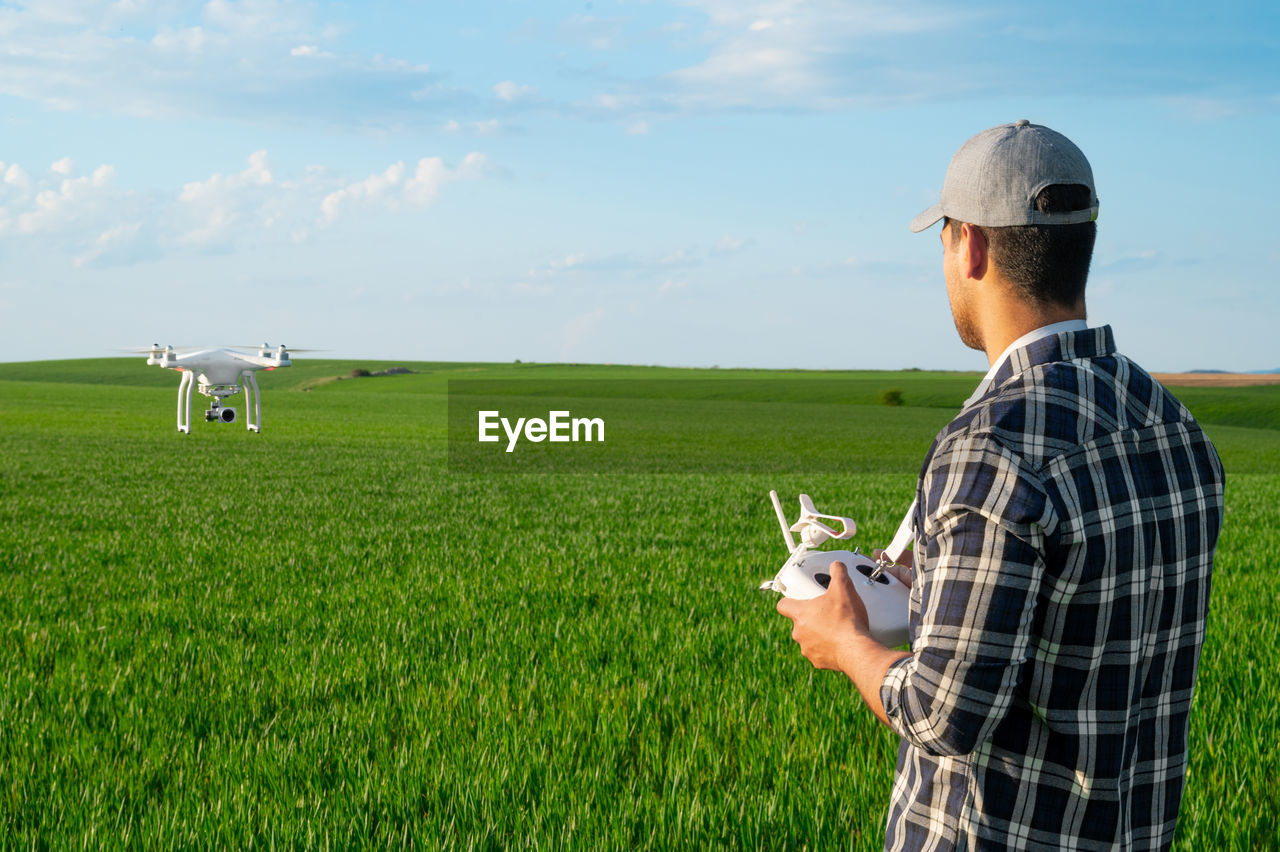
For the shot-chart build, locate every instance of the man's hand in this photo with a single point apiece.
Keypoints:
(825, 625)
(903, 569)
(832, 633)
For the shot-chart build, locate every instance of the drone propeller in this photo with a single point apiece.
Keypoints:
(289, 349)
(147, 350)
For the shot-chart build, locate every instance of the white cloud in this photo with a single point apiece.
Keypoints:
(748, 74)
(244, 59)
(15, 176)
(638, 128)
(729, 244)
(488, 127)
(421, 189)
(189, 40)
(391, 188)
(374, 186)
(108, 241)
(551, 267)
(258, 17)
(58, 215)
(311, 50)
(56, 209)
(255, 173)
(92, 221)
(510, 91)
(786, 54)
(220, 202)
(842, 54)
(474, 165)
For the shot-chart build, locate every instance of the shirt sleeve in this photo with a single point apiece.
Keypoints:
(984, 532)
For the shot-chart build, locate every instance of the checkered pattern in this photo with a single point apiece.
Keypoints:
(1065, 530)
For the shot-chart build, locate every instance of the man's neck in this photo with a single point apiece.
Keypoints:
(1012, 319)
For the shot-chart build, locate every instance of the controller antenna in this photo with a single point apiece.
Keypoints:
(782, 522)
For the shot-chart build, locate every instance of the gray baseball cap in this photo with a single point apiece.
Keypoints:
(994, 178)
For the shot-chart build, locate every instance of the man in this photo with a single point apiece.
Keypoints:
(1064, 531)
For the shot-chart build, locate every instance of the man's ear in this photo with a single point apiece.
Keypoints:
(973, 251)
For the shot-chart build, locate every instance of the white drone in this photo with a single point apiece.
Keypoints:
(219, 373)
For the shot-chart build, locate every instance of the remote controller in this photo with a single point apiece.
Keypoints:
(807, 572)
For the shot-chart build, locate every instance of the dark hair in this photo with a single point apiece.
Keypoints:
(1049, 264)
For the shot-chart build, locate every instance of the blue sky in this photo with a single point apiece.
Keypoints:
(687, 183)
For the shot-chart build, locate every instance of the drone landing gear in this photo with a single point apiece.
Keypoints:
(218, 413)
(252, 401)
(184, 401)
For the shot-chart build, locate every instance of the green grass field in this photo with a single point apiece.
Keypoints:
(320, 637)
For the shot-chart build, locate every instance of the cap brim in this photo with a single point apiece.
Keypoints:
(927, 218)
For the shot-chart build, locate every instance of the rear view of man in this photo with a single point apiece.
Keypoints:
(1064, 530)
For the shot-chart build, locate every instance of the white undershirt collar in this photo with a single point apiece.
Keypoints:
(1026, 339)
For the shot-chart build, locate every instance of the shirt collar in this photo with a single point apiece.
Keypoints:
(1065, 327)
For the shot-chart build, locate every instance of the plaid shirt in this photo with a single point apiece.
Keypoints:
(1065, 529)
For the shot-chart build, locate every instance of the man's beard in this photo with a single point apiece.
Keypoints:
(969, 334)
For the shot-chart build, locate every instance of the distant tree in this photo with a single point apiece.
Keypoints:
(892, 396)
(359, 373)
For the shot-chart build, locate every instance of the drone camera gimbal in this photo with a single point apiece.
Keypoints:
(219, 414)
